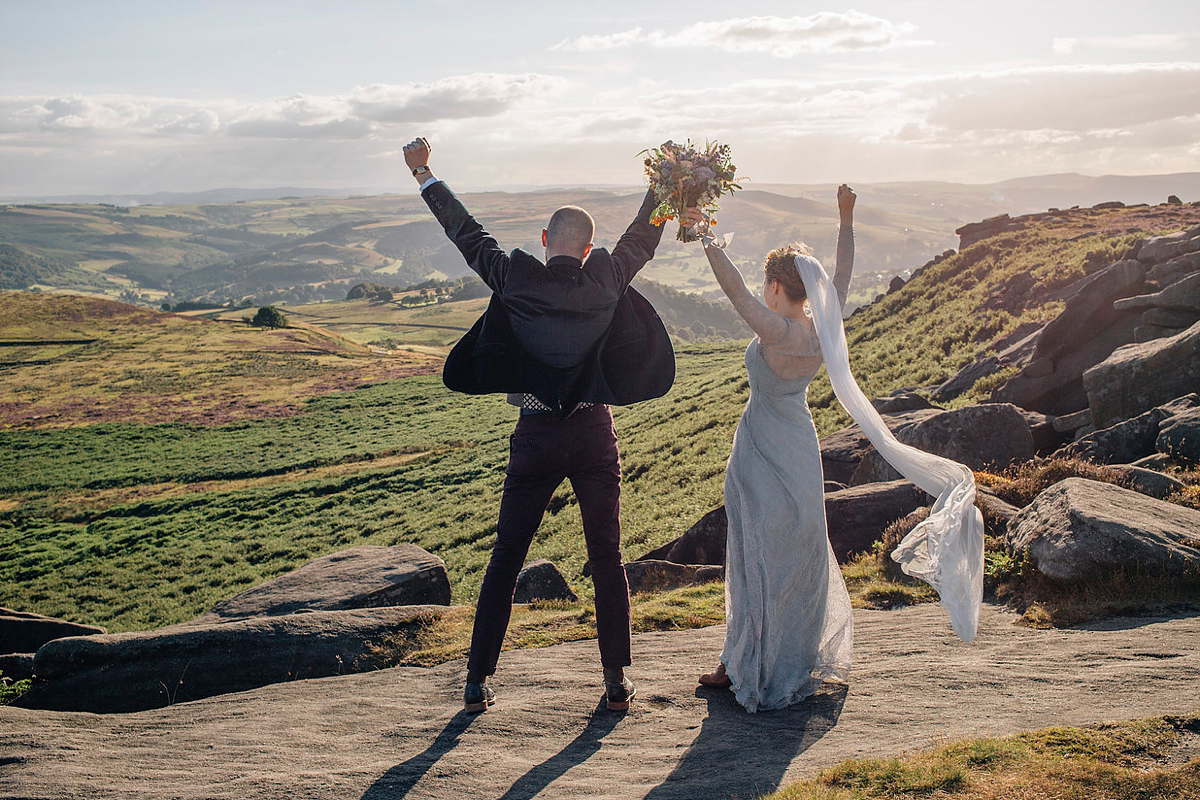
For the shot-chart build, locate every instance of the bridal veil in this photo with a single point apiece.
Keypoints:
(946, 549)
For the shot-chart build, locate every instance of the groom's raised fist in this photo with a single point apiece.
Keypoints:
(416, 153)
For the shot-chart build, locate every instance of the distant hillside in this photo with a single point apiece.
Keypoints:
(71, 360)
(299, 249)
(304, 249)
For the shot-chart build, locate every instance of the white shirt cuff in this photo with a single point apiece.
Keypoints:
(429, 182)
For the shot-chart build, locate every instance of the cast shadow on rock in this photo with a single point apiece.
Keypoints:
(1182, 610)
(398, 781)
(745, 755)
(581, 748)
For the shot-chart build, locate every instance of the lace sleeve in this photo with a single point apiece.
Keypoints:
(771, 328)
(845, 261)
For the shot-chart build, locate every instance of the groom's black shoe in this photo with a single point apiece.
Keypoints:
(478, 696)
(618, 689)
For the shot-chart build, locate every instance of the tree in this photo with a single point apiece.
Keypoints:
(269, 317)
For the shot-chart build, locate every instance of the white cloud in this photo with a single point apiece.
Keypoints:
(586, 44)
(360, 114)
(784, 37)
(1141, 41)
(461, 97)
(964, 126)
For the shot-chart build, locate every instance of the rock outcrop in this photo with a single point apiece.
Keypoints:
(1179, 437)
(1137, 377)
(137, 671)
(367, 576)
(856, 517)
(1168, 312)
(1151, 294)
(974, 232)
(1158, 249)
(1131, 440)
(656, 576)
(541, 580)
(982, 437)
(16, 666)
(23, 632)
(1087, 331)
(703, 543)
(842, 451)
(1079, 530)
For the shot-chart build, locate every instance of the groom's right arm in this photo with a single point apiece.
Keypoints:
(637, 245)
(482, 253)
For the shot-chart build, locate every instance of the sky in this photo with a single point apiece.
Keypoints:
(136, 97)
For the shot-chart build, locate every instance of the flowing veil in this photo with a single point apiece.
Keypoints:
(946, 549)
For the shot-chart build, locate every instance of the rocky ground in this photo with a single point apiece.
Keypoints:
(399, 733)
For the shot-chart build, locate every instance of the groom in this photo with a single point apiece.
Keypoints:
(564, 338)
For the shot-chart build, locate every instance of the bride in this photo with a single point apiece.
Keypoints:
(789, 625)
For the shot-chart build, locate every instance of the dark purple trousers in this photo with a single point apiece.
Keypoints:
(543, 451)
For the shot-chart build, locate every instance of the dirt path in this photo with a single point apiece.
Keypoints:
(399, 733)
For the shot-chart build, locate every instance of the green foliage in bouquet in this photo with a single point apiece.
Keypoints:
(683, 176)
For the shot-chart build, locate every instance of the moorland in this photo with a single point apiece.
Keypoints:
(254, 248)
(156, 463)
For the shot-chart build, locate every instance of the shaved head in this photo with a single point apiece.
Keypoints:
(570, 232)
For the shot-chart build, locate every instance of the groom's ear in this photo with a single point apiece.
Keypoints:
(544, 232)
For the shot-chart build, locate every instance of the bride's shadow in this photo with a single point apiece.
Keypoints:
(744, 755)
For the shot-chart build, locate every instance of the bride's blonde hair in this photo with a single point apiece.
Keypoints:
(781, 266)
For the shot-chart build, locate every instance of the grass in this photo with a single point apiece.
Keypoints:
(149, 367)
(439, 638)
(10, 690)
(1111, 761)
(136, 526)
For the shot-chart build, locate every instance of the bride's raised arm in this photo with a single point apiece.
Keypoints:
(845, 244)
(766, 324)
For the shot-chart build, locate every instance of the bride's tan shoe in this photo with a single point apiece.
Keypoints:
(716, 678)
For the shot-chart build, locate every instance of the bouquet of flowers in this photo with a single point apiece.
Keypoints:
(683, 176)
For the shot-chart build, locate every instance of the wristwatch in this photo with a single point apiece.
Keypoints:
(421, 170)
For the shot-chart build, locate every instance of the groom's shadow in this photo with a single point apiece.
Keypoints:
(745, 755)
(581, 748)
(398, 781)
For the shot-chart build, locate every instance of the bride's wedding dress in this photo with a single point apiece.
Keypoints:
(787, 608)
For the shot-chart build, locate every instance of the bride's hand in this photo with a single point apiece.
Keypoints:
(694, 218)
(845, 199)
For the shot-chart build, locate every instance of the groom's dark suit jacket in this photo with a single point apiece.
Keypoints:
(564, 332)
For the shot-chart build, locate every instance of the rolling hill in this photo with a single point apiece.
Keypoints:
(302, 248)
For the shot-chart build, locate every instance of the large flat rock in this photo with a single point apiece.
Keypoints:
(1078, 530)
(399, 733)
(367, 576)
(24, 632)
(123, 672)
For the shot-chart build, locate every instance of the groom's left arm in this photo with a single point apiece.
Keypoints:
(636, 246)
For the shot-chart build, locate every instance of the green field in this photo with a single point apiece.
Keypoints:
(78, 546)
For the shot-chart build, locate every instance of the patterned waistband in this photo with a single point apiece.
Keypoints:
(531, 405)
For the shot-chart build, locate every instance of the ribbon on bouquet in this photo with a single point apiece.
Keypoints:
(946, 549)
